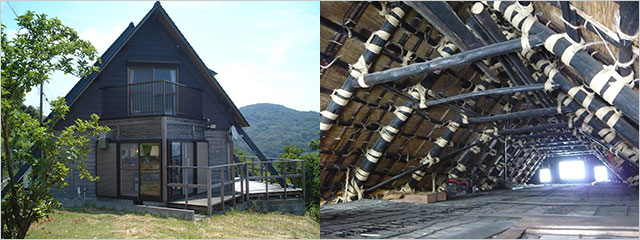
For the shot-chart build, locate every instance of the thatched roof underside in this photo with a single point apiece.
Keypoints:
(346, 27)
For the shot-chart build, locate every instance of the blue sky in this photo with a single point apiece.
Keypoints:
(262, 51)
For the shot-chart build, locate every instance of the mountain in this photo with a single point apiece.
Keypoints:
(273, 125)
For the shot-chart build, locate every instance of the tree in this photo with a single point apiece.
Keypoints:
(311, 171)
(41, 46)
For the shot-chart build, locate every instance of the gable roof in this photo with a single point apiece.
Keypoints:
(126, 36)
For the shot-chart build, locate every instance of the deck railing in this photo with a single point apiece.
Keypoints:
(290, 170)
(151, 99)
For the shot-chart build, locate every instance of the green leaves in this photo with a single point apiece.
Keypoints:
(41, 47)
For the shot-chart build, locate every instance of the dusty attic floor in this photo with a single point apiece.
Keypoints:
(576, 211)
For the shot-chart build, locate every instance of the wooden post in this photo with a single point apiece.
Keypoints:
(233, 183)
(209, 207)
(284, 176)
(222, 187)
(241, 177)
(246, 179)
(266, 185)
(186, 190)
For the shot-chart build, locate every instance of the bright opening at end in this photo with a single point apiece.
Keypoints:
(600, 173)
(571, 170)
(545, 175)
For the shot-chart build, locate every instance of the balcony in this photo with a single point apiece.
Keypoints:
(156, 98)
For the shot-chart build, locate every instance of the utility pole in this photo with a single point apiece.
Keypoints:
(41, 95)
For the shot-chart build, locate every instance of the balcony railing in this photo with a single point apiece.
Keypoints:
(151, 99)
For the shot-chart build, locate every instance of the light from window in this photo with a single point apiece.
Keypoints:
(571, 170)
(600, 173)
(545, 175)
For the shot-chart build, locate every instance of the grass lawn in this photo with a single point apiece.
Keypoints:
(87, 222)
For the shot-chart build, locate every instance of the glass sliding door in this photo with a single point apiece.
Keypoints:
(174, 175)
(150, 165)
(182, 154)
(129, 169)
(140, 170)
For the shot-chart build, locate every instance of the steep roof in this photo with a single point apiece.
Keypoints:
(127, 35)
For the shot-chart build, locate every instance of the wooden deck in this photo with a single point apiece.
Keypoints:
(256, 190)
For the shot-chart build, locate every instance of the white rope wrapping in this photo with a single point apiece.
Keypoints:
(350, 186)
(329, 115)
(407, 58)
(493, 152)
(548, 85)
(374, 153)
(570, 52)
(453, 126)
(588, 99)
(465, 119)
(613, 119)
(484, 137)
(449, 45)
(361, 175)
(400, 112)
(551, 41)
(622, 149)
(340, 96)
(496, 5)
(392, 19)
(601, 78)
(429, 160)
(324, 126)
(475, 149)
(419, 92)
(441, 142)
(388, 133)
(607, 134)
(622, 34)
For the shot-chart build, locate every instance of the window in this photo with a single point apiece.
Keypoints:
(571, 170)
(182, 154)
(601, 174)
(152, 91)
(545, 175)
(129, 169)
(140, 165)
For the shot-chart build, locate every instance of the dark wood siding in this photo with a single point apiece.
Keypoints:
(106, 168)
(150, 43)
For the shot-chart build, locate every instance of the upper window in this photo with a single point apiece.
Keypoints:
(149, 74)
(153, 91)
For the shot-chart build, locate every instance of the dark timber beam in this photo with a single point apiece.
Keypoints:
(518, 115)
(340, 97)
(606, 83)
(495, 91)
(628, 26)
(448, 62)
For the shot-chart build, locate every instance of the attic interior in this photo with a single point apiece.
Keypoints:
(508, 119)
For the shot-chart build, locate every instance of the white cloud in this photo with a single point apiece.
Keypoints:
(101, 40)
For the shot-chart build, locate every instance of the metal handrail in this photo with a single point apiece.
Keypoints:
(157, 81)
